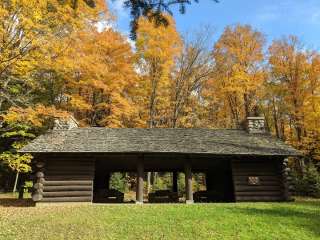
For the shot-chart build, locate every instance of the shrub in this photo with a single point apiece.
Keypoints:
(163, 181)
(181, 183)
(307, 184)
(118, 181)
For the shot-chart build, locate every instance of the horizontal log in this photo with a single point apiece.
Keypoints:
(68, 194)
(70, 160)
(254, 161)
(75, 165)
(64, 183)
(250, 161)
(71, 177)
(262, 183)
(258, 194)
(70, 163)
(72, 168)
(252, 170)
(67, 199)
(254, 165)
(257, 188)
(69, 173)
(262, 178)
(259, 199)
(248, 169)
(60, 173)
(67, 188)
(255, 174)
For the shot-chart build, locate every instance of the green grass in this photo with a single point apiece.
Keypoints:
(297, 220)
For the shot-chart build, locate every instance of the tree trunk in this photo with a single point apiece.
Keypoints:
(275, 118)
(246, 105)
(16, 182)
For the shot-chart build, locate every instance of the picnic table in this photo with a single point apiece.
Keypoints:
(162, 196)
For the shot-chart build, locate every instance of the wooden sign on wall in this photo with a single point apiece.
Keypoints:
(253, 180)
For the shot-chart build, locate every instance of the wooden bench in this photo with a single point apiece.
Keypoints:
(207, 196)
(108, 196)
(163, 196)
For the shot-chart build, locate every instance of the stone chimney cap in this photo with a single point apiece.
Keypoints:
(256, 118)
(256, 125)
(65, 124)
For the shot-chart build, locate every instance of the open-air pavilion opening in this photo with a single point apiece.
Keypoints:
(217, 172)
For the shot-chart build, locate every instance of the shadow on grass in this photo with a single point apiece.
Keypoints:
(307, 218)
(12, 202)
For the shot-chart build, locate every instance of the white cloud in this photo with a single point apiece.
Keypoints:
(117, 8)
(104, 25)
(132, 43)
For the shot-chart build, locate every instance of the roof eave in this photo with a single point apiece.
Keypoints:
(167, 152)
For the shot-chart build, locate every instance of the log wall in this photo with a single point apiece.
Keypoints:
(268, 171)
(66, 179)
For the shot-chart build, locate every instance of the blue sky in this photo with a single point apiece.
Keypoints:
(275, 18)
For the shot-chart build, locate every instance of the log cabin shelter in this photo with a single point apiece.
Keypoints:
(73, 164)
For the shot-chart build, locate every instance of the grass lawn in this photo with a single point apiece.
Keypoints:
(298, 220)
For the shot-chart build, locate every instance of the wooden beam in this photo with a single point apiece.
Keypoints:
(67, 194)
(140, 174)
(188, 180)
(68, 188)
(175, 181)
(64, 183)
(67, 199)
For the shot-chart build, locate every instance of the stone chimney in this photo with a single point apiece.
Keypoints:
(65, 124)
(256, 125)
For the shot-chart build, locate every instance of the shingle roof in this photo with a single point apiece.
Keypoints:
(127, 140)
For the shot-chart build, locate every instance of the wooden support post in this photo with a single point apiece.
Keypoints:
(188, 180)
(139, 189)
(175, 181)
